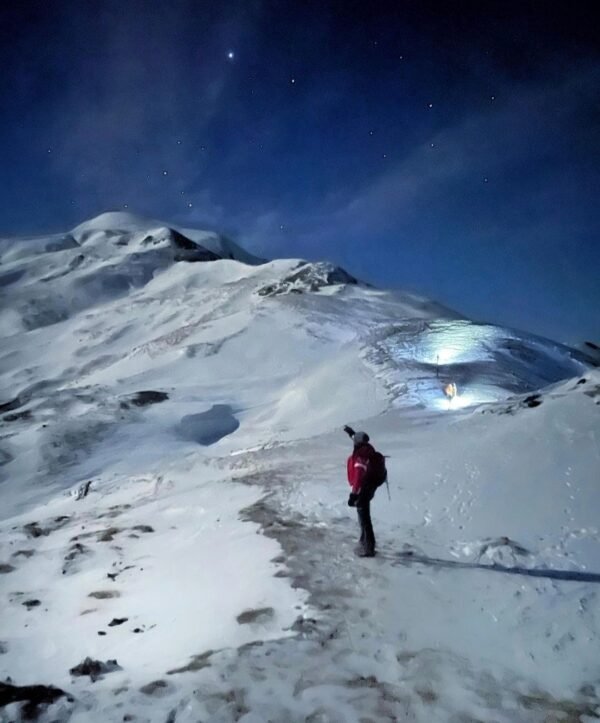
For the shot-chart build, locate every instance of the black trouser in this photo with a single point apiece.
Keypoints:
(363, 508)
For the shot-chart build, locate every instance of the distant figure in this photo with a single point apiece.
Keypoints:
(366, 472)
(450, 390)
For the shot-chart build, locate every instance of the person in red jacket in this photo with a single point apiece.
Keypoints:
(362, 488)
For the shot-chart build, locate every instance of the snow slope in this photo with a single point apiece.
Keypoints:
(187, 380)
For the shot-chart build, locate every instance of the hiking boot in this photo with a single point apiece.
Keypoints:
(366, 553)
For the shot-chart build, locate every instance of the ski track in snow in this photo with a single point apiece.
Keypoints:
(213, 557)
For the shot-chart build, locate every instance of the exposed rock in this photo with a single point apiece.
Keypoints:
(308, 277)
(104, 594)
(29, 604)
(188, 250)
(197, 663)
(144, 398)
(82, 491)
(24, 553)
(12, 404)
(66, 242)
(5, 568)
(143, 528)
(156, 687)
(34, 529)
(94, 668)
(117, 621)
(258, 615)
(108, 534)
(17, 416)
(34, 696)
(532, 401)
(75, 552)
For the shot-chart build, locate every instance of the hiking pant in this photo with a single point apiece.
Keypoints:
(363, 508)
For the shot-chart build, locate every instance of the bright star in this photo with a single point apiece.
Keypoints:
(231, 55)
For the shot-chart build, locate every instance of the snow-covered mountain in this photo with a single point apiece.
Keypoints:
(201, 390)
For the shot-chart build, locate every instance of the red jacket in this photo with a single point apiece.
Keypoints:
(358, 464)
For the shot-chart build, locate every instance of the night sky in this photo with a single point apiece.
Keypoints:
(448, 148)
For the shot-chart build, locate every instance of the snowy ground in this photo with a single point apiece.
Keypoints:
(213, 556)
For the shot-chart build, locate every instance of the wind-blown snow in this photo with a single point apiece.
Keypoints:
(202, 393)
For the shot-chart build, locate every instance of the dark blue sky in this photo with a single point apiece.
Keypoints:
(448, 148)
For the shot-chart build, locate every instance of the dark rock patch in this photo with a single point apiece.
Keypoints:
(188, 250)
(5, 457)
(309, 277)
(108, 534)
(117, 621)
(34, 697)
(82, 491)
(32, 529)
(75, 553)
(11, 277)
(101, 632)
(104, 594)
(29, 604)
(143, 528)
(94, 668)
(196, 663)
(3, 647)
(24, 553)
(12, 404)
(137, 630)
(532, 401)
(258, 615)
(147, 397)
(156, 687)
(66, 242)
(17, 416)
(5, 568)
(114, 511)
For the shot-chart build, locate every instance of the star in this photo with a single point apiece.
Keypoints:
(370, 133)
(430, 105)
(486, 180)
(292, 81)
(231, 55)
(165, 173)
(189, 205)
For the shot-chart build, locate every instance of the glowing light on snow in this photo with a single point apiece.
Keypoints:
(455, 342)
(460, 401)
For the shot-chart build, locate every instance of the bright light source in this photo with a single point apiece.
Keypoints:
(231, 55)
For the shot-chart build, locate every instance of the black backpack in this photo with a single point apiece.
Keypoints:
(377, 473)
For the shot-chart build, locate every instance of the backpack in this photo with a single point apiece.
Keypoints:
(377, 473)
